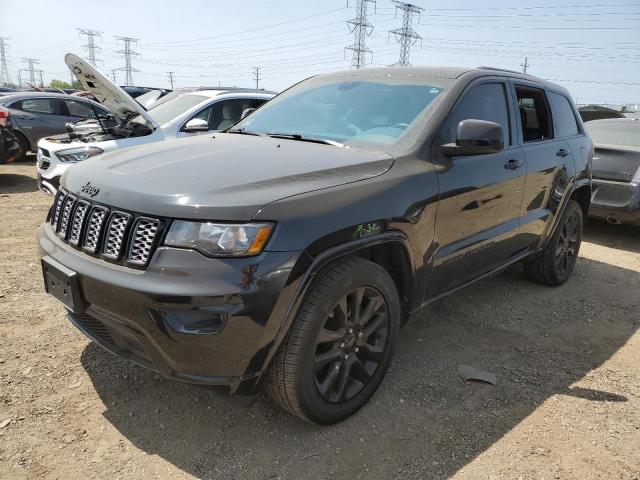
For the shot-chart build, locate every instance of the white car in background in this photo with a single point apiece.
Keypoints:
(179, 114)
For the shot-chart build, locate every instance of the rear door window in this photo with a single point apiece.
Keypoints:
(564, 119)
(84, 110)
(487, 101)
(535, 120)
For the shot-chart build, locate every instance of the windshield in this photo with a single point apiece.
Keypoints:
(167, 111)
(373, 113)
(615, 133)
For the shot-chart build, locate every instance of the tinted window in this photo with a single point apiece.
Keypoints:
(535, 122)
(38, 105)
(563, 116)
(367, 113)
(84, 110)
(483, 102)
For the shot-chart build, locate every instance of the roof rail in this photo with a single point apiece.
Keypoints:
(502, 70)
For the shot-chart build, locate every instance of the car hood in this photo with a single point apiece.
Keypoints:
(220, 177)
(115, 99)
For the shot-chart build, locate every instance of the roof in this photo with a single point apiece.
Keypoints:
(215, 92)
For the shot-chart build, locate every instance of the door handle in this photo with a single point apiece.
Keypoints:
(562, 153)
(513, 164)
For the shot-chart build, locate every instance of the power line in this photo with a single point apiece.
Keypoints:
(406, 36)
(256, 77)
(128, 54)
(5, 78)
(91, 46)
(361, 29)
(171, 78)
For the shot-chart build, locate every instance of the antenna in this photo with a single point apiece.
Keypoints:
(406, 36)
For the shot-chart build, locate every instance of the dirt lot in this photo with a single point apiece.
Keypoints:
(566, 405)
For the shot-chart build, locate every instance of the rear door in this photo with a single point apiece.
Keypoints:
(40, 116)
(549, 158)
(477, 220)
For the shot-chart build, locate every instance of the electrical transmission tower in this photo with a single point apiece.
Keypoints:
(361, 29)
(113, 75)
(128, 54)
(5, 78)
(406, 36)
(256, 77)
(31, 63)
(91, 46)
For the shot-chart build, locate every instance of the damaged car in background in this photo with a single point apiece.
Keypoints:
(616, 170)
(184, 114)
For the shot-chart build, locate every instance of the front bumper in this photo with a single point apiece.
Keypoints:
(616, 202)
(138, 314)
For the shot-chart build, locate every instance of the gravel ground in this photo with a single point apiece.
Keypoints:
(566, 404)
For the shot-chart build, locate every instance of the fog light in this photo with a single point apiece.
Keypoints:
(195, 322)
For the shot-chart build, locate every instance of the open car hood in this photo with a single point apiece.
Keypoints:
(105, 91)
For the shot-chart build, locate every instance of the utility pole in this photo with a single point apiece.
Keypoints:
(41, 80)
(128, 54)
(113, 75)
(361, 29)
(525, 65)
(91, 46)
(171, 78)
(31, 62)
(406, 36)
(5, 78)
(256, 77)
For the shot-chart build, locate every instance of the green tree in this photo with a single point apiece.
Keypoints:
(62, 85)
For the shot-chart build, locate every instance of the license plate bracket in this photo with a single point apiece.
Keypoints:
(62, 283)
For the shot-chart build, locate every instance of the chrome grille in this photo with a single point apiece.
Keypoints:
(117, 236)
(58, 208)
(116, 231)
(94, 228)
(65, 216)
(77, 222)
(144, 234)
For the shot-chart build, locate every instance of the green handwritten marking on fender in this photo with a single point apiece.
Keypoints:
(367, 229)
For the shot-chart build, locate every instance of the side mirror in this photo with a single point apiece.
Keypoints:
(196, 125)
(476, 137)
(247, 111)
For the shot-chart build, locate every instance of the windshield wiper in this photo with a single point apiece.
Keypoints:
(243, 131)
(303, 138)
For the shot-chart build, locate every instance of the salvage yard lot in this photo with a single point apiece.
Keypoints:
(566, 405)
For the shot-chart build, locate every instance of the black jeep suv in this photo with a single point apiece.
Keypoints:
(287, 251)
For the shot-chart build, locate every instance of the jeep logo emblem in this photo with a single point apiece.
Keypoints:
(90, 190)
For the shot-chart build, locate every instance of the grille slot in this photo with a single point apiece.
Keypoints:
(65, 215)
(143, 237)
(122, 237)
(94, 228)
(116, 231)
(77, 222)
(57, 208)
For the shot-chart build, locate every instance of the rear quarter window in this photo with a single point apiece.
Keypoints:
(564, 118)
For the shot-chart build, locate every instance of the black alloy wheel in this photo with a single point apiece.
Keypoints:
(351, 344)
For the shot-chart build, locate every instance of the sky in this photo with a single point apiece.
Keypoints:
(592, 47)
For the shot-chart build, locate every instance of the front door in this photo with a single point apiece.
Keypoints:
(477, 221)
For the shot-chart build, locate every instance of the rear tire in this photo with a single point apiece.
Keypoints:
(554, 265)
(340, 345)
(24, 147)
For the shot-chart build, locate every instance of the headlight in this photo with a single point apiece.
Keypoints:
(78, 154)
(219, 239)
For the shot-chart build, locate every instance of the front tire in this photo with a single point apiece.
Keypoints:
(340, 344)
(555, 263)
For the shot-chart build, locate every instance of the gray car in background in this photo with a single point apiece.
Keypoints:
(39, 114)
